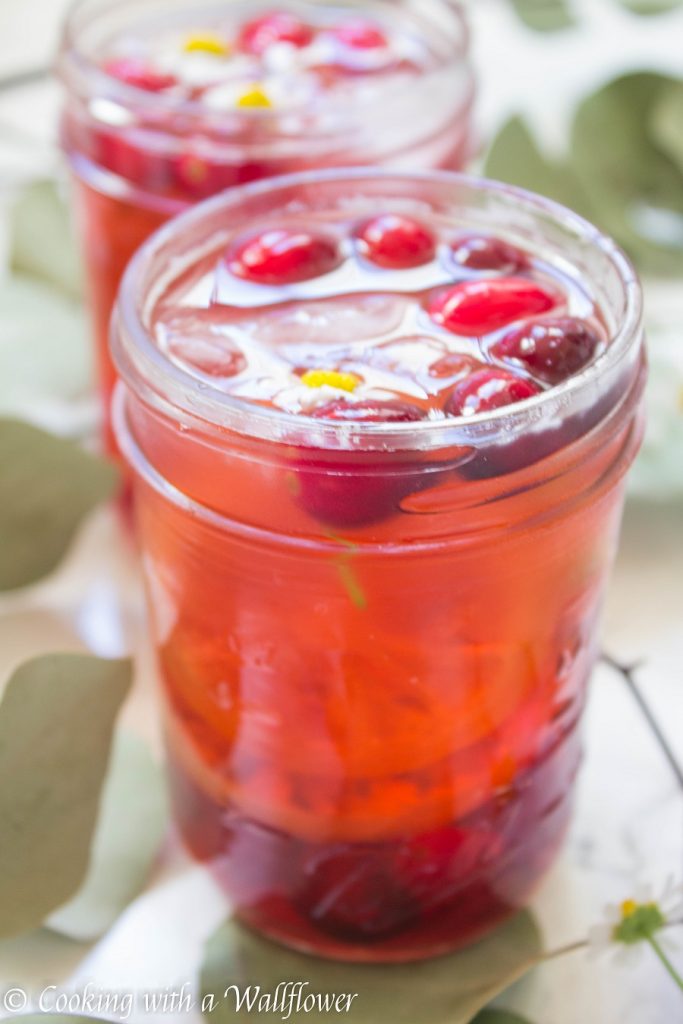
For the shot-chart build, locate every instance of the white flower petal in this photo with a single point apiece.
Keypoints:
(643, 893)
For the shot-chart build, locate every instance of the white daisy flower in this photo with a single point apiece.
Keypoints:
(639, 922)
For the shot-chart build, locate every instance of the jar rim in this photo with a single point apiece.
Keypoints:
(161, 383)
(75, 67)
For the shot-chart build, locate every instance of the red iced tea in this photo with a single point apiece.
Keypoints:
(379, 426)
(167, 105)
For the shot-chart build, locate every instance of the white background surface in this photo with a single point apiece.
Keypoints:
(629, 823)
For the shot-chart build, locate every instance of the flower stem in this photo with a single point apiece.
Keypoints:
(671, 970)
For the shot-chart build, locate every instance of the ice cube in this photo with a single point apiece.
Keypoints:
(305, 332)
(201, 343)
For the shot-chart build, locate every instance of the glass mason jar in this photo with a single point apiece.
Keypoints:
(139, 157)
(373, 721)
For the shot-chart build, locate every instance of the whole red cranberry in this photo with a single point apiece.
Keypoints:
(276, 27)
(351, 892)
(552, 348)
(363, 490)
(360, 34)
(473, 308)
(282, 256)
(488, 389)
(486, 252)
(369, 410)
(136, 73)
(396, 242)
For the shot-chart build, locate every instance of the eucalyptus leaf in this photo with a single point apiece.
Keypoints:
(545, 15)
(26, 634)
(667, 123)
(56, 722)
(648, 7)
(58, 1018)
(515, 158)
(628, 178)
(47, 487)
(130, 828)
(499, 1017)
(42, 239)
(447, 990)
(45, 354)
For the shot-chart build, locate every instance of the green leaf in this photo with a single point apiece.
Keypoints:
(648, 7)
(47, 487)
(667, 123)
(45, 352)
(130, 827)
(446, 990)
(56, 721)
(26, 634)
(545, 15)
(515, 158)
(57, 1018)
(499, 1017)
(635, 186)
(42, 239)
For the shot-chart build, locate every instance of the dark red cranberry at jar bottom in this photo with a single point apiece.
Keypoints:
(354, 490)
(352, 892)
(368, 891)
(360, 34)
(275, 27)
(474, 308)
(280, 256)
(552, 349)
(436, 866)
(485, 252)
(137, 74)
(488, 389)
(395, 242)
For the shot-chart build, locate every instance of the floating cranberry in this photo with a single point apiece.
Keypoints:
(351, 892)
(369, 410)
(139, 75)
(360, 34)
(474, 308)
(484, 252)
(396, 242)
(355, 497)
(488, 389)
(277, 27)
(344, 494)
(552, 348)
(281, 256)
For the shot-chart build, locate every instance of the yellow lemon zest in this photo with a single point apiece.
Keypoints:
(254, 97)
(207, 42)
(333, 378)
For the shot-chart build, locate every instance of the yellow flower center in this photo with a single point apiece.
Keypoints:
(333, 378)
(628, 907)
(207, 42)
(254, 97)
